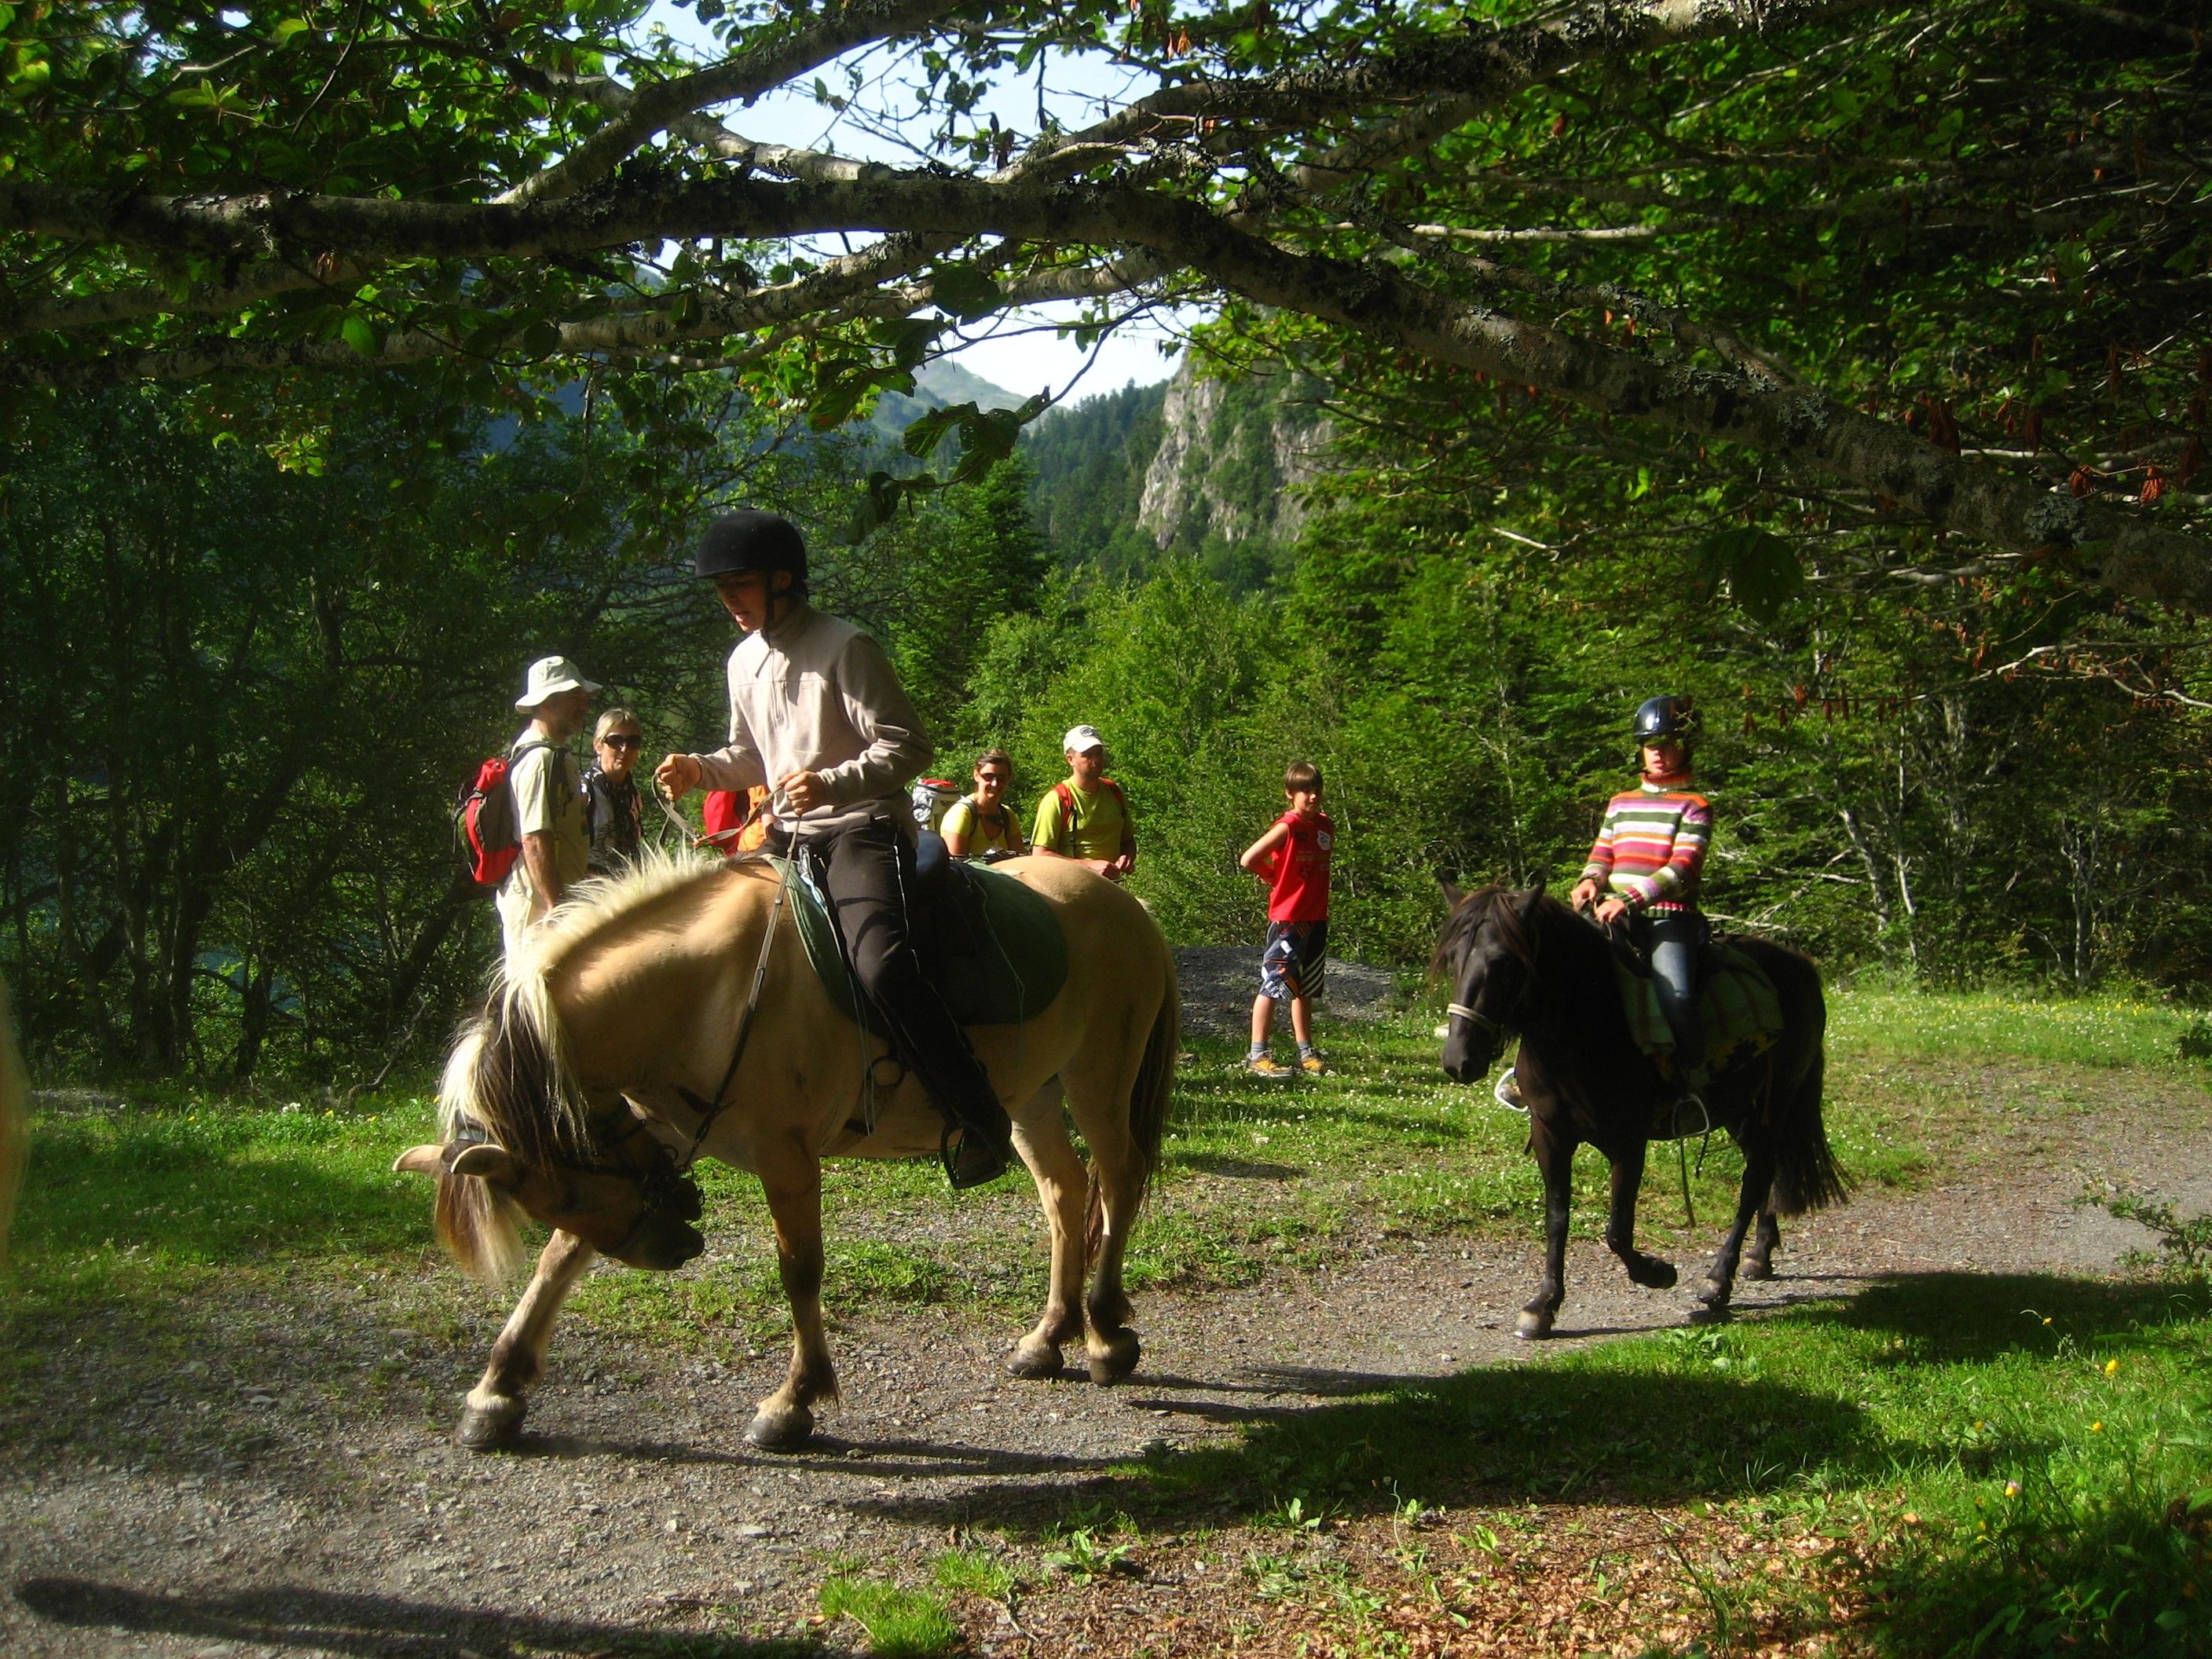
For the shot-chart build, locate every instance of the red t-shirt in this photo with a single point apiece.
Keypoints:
(1300, 873)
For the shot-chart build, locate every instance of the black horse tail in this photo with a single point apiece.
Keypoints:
(1806, 1174)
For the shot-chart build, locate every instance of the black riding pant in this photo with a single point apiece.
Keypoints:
(867, 874)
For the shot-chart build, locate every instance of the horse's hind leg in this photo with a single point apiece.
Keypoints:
(791, 1176)
(1720, 1278)
(1648, 1271)
(495, 1408)
(1117, 1183)
(1759, 1260)
(1555, 1159)
(1040, 1137)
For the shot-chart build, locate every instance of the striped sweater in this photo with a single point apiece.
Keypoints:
(1651, 850)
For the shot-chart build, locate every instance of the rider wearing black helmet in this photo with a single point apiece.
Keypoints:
(817, 712)
(1646, 864)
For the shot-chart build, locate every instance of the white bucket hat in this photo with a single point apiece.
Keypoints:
(1082, 738)
(549, 677)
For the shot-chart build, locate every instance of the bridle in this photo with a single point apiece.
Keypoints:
(1499, 1029)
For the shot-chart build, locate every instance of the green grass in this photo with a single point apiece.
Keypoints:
(2024, 1460)
(1255, 1176)
(901, 1624)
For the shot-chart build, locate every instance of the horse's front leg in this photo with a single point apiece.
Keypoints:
(791, 1176)
(1040, 1137)
(1759, 1260)
(1649, 1271)
(495, 1408)
(1555, 1160)
(1720, 1278)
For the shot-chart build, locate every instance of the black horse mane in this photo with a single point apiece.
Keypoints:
(1484, 904)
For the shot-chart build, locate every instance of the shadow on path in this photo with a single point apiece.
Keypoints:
(289, 1617)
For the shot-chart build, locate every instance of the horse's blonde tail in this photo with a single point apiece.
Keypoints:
(479, 1225)
(14, 1120)
(1149, 1099)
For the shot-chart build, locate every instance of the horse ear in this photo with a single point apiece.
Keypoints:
(420, 1160)
(1452, 896)
(1530, 900)
(495, 1165)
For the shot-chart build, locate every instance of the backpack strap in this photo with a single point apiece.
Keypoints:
(1066, 798)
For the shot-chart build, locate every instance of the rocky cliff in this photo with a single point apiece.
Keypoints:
(1232, 453)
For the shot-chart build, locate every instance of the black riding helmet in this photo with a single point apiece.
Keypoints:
(1659, 719)
(749, 540)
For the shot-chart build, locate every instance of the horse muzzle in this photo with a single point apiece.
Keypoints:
(659, 1242)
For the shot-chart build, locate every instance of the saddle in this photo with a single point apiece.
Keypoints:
(1739, 1010)
(991, 945)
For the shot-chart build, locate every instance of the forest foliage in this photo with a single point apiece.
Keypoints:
(1842, 366)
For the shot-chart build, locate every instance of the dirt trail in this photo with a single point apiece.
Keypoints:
(285, 1486)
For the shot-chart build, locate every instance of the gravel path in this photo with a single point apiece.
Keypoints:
(263, 1478)
(1219, 981)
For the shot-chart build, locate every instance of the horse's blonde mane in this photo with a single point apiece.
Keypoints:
(521, 1002)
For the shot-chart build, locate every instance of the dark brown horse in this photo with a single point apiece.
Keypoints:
(1522, 965)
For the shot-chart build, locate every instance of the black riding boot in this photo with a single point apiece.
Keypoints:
(868, 877)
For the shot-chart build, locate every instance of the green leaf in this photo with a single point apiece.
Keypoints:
(1761, 569)
(964, 292)
(362, 335)
(282, 33)
(923, 435)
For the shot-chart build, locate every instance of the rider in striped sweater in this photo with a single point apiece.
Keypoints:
(1645, 865)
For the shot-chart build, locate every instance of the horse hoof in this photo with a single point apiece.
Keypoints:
(488, 1428)
(1114, 1358)
(1652, 1274)
(1709, 1311)
(780, 1431)
(1036, 1363)
(1534, 1326)
(1756, 1270)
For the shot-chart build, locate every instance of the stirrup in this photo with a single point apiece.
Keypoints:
(975, 1163)
(1506, 1091)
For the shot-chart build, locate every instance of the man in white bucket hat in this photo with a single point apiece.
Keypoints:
(550, 812)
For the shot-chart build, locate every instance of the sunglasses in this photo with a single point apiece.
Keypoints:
(624, 740)
(990, 777)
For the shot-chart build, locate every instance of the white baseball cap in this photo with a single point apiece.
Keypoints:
(1082, 738)
(549, 677)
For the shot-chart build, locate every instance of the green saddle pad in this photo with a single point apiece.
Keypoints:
(1739, 1012)
(991, 945)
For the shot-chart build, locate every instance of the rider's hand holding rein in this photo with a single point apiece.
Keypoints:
(802, 792)
(677, 775)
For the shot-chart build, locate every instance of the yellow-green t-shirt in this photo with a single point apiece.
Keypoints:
(1096, 832)
(963, 818)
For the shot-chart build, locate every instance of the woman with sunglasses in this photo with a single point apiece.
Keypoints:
(981, 825)
(618, 808)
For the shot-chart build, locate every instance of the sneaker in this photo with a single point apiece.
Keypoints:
(1268, 1067)
(1312, 1065)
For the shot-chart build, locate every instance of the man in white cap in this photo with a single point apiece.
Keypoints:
(1086, 815)
(550, 812)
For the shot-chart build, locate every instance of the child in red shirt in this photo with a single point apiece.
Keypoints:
(1292, 859)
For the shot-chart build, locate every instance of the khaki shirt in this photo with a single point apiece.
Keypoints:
(549, 800)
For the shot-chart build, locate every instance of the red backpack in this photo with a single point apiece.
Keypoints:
(485, 819)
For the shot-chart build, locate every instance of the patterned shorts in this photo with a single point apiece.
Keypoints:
(1296, 960)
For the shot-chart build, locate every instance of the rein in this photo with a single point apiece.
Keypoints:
(711, 1108)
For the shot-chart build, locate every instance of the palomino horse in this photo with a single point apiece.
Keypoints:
(14, 1120)
(636, 991)
(1522, 964)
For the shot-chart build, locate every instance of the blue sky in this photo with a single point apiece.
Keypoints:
(1022, 352)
